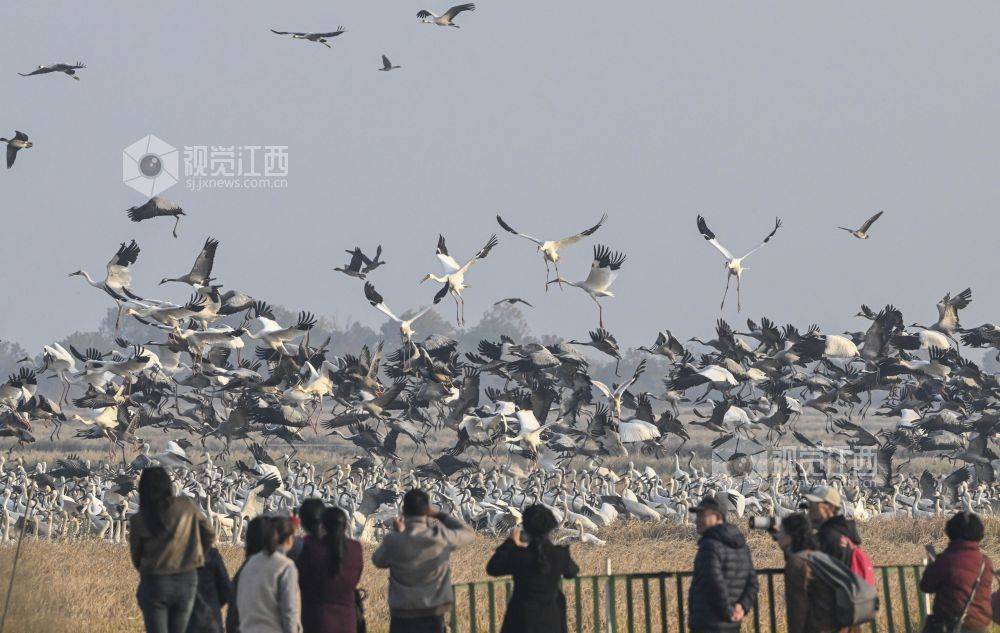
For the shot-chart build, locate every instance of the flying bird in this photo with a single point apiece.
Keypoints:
(603, 272)
(67, 69)
(862, 233)
(387, 65)
(446, 19)
(118, 281)
(734, 265)
(513, 301)
(157, 207)
(201, 271)
(550, 248)
(454, 278)
(14, 145)
(312, 37)
(405, 325)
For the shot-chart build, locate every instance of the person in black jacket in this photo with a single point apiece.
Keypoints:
(724, 584)
(214, 592)
(837, 535)
(537, 604)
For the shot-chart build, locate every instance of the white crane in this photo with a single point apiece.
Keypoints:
(862, 233)
(454, 277)
(445, 19)
(734, 265)
(406, 330)
(118, 280)
(603, 272)
(550, 248)
(272, 333)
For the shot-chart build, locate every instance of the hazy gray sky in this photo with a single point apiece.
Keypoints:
(551, 112)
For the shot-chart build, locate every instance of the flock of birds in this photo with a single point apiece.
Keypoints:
(491, 430)
(20, 140)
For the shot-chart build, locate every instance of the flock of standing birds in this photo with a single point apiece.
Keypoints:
(491, 430)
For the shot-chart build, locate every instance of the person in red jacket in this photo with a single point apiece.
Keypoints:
(952, 575)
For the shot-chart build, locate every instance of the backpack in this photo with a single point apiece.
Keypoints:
(856, 600)
(861, 564)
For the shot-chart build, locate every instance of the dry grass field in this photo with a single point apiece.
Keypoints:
(90, 586)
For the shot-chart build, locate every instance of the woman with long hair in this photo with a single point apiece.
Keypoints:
(329, 572)
(267, 594)
(537, 604)
(168, 538)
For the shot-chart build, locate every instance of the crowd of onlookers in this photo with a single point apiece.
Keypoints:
(300, 574)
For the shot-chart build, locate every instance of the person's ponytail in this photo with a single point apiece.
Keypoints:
(281, 529)
(334, 522)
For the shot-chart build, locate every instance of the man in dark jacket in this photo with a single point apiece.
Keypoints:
(837, 535)
(724, 585)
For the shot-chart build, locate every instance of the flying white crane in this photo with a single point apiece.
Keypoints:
(603, 272)
(272, 333)
(734, 265)
(406, 330)
(454, 277)
(550, 248)
(118, 280)
(445, 19)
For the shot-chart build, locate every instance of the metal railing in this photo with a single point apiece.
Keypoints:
(657, 601)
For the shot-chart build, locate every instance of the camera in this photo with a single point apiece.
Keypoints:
(770, 524)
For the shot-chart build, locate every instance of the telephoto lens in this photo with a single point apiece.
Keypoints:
(770, 524)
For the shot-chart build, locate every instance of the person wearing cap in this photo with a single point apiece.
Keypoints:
(724, 584)
(837, 535)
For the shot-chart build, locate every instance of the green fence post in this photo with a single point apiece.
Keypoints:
(612, 606)
(648, 617)
(597, 604)
(629, 618)
(890, 621)
(772, 617)
(680, 602)
(905, 599)
(491, 590)
(454, 616)
(579, 605)
(756, 608)
(663, 604)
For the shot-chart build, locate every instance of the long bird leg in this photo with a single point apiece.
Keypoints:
(739, 304)
(548, 272)
(558, 277)
(600, 312)
(725, 292)
(176, 222)
(458, 319)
